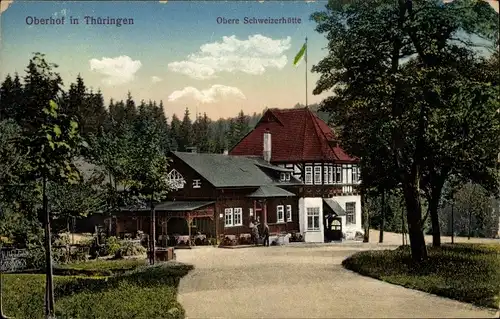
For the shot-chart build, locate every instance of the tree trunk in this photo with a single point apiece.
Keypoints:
(49, 280)
(382, 221)
(414, 220)
(436, 191)
(452, 220)
(2, 316)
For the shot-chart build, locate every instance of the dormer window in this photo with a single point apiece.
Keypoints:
(196, 183)
(285, 177)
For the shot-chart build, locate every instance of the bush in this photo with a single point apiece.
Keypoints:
(465, 272)
(110, 247)
(129, 248)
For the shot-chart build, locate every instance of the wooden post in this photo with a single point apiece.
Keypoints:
(264, 211)
(189, 220)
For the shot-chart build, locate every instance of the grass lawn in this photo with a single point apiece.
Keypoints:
(146, 292)
(465, 272)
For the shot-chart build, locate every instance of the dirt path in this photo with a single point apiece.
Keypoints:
(300, 282)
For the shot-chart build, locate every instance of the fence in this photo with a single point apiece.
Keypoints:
(12, 260)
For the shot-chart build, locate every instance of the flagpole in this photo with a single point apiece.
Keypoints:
(306, 73)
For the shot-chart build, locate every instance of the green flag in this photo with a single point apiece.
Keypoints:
(299, 55)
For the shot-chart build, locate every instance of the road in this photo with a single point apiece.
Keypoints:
(304, 281)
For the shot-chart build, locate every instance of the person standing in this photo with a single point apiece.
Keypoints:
(255, 233)
(266, 234)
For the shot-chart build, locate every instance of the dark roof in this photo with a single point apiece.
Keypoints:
(228, 171)
(335, 206)
(270, 191)
(178, 206)
(297, 135)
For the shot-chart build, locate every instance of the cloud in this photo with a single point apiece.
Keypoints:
(209, 95)
(252, 56)
(163, 1)
(118, 70)
(156, 79)
(4, 4)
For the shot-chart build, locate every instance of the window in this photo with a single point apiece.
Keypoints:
(350, 210)
(338, 174)
(288, 213)
(330, 174)
(280, 214)
(228, 217)
(237, 216)
(196, 183)
(308, 175)
(317, 175)
(313, 218)
(355, 174)
(325, 175)
(175, 180)
(250, 212)
(285, 177)
(233, 217)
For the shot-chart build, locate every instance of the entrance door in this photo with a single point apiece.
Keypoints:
(333, 231)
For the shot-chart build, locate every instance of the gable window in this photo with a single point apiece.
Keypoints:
(228, 217)
(308, 175)
(350, 210)
(175, 179)
(196, 183)
(313, 218)
(237, 216)
(287, 177)
(317, 175)
(282, 177)
(280, 214)
(288, 213)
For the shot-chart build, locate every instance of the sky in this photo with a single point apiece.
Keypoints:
(185, 53)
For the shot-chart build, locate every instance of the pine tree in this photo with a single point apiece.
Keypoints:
(186, 137)
(7, 101)
(202, 134)
(175, 132)
(130, 110)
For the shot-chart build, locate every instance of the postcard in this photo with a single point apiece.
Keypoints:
(249, 159)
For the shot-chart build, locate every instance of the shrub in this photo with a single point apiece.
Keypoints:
(110, 247)
(129, 248)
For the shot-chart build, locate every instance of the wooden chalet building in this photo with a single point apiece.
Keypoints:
(329, 203)
(219, 196)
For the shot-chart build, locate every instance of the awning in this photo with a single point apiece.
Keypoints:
(181, 206)
(270, 191)
(171, 206)
(335, 206)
